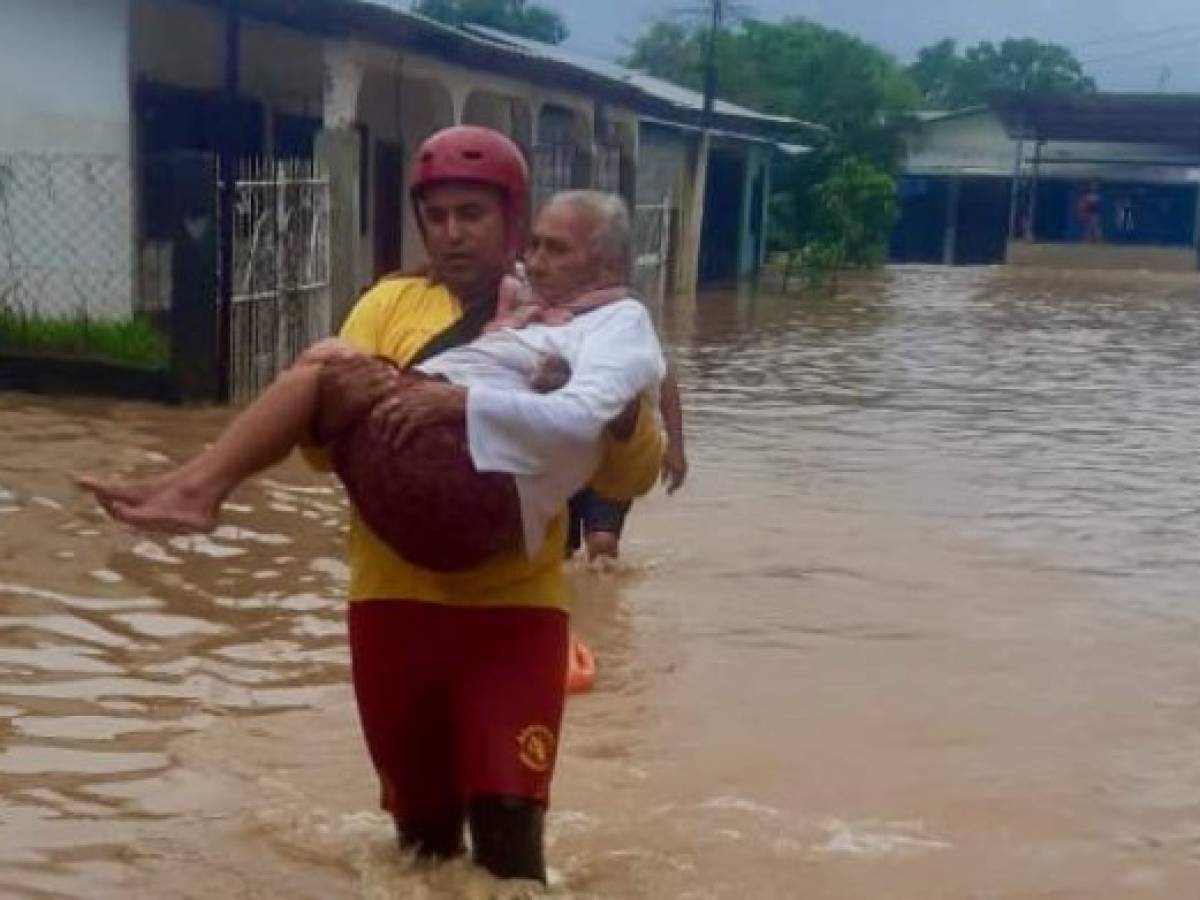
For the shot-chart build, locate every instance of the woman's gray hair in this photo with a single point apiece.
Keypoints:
(612, 234)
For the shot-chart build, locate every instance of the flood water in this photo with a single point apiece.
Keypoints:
(923, 625)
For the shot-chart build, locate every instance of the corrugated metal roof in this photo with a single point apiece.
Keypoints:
(1107, 118)
(490, 50)
(658, 88)
(942, 115)
(790, 149)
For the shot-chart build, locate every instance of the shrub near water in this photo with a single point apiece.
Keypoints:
(855, 210)
(134, 342)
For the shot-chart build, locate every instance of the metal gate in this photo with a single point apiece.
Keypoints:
(281, 298)
(608, 168)
(554, 168)
(652, 250)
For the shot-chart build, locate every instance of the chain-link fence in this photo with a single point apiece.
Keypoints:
(66, 235)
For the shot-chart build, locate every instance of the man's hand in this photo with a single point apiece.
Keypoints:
(623, 425)
(674, 467)
(551, 374)
(350, 384)
(401, 415)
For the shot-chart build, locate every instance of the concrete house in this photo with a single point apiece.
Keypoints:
(93, 93)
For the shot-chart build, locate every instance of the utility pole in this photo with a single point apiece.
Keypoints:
(716, 15)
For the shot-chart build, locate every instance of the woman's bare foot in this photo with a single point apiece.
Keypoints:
(130, 491)
(176, 509)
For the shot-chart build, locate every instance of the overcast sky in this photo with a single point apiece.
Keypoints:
(1136, 44)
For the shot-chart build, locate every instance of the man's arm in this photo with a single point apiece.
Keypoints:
(631, 464)
(617, 361)
(670, 405)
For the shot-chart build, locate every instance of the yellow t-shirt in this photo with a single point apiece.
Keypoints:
(395, 319)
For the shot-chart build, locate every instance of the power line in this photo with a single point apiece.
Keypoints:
(727, 10)
(1160, 48)
(1135, 35)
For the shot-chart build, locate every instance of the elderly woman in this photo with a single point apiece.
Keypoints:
(493, 437)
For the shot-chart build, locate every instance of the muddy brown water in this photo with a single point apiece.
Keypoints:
(923, 625)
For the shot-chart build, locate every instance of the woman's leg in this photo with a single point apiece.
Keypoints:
(188, 498)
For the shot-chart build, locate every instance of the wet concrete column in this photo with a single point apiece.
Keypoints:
(765, 223)
(1196, 232)
(627, 136)
(747, 264)
(338, 149)
(950, 236)
(460, 93)
(196, 338)
(693, 216)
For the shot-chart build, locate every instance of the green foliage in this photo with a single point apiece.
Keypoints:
(854, 210)
(672, 51)
(793, 68)
(514, 16)
(800, 69)
(834, 207)
(952, 80)
(857, 208)
(135, 342)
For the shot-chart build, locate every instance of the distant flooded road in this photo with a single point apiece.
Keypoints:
(923, 625)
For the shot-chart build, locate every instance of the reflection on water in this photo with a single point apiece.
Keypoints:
(113, 646)
(1063, 401)
(921, 626)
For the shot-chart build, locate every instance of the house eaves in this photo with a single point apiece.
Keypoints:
(372, 23)
(488, 50)
(663, 100)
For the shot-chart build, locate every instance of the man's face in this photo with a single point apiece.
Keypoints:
(560, 262)
(464, 233)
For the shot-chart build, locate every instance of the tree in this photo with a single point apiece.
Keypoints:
(858, 207)
(792, 68)
(671, 51)
(800, 69)
(936, 74)
(854, 211)
(514, 16)
(948, 80)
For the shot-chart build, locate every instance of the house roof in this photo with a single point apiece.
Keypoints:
(1107, 118)
(475, 47)
(929, 116)
(682, 100)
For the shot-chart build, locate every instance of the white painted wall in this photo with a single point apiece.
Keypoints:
(65, 76)
(66, 231)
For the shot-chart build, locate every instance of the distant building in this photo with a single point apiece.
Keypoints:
(1091, 181)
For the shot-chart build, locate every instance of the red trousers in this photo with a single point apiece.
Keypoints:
(458, 702)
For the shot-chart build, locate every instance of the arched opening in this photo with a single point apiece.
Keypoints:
(425, 107)
(562, 156)
(510, 116)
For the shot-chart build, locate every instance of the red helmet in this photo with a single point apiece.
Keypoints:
(480, 155)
